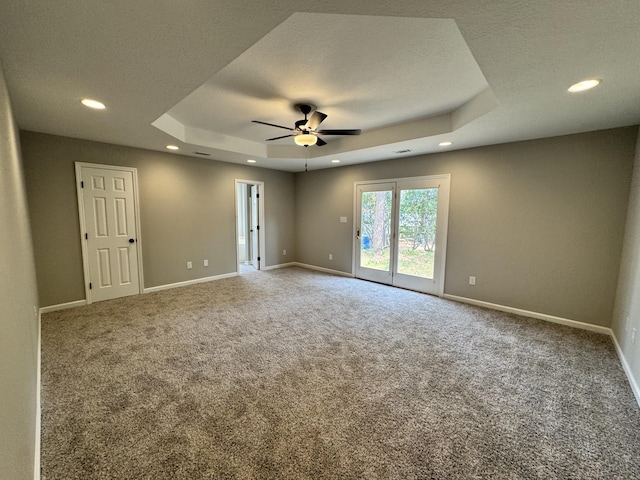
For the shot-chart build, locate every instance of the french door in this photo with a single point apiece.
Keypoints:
(401, 232)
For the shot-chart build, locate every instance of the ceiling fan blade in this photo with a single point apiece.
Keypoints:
(278, 138)
(272, 125)
(315, 120)
(320, 142)
(356, 131)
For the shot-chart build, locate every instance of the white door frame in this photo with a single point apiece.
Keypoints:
(441, 242)
(381, 276)
(261, 222)
(83, 229)
(254, 224)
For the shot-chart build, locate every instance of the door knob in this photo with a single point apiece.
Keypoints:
(131, 240)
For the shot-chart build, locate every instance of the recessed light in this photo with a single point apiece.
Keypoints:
(584, 85)
(87, 102)
(445, 144)
(251, 160)
(335, 160)
(173, 147)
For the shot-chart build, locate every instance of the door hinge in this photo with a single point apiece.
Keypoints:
(258, 227)
(258, 258)
(90, 286)
(81, 184)
(86, 236)
(257, 195)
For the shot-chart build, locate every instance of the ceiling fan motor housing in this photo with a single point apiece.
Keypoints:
(305, 108)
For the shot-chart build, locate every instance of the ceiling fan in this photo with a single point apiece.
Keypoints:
(305, 132)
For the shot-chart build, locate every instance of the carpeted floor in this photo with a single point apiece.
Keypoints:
(294, 374)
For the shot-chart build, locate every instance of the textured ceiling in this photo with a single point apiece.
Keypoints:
(370, 72)
(409, 74)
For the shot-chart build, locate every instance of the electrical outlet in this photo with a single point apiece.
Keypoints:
(633, 336)
(343, 219)
(331, 256)
(284, 252)
(189, 265)
(472, 280)
(206, 262)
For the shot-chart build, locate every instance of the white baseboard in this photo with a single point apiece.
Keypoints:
(36, 455)
(62, 306)
(527, 313)
(189, 282)
(79, 303)
(627, 369)
(322, 269)
(281, 265)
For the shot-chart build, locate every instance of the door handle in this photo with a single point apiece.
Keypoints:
(131, 240)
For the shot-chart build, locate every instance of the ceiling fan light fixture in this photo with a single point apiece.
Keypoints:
(584, 85)
(305, 132)
(305, 139)
(95, 104)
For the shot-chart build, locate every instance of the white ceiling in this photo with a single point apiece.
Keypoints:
(410, 74)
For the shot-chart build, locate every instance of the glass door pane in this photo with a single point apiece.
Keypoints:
(375, 215)
(375, 251)
(418, 212)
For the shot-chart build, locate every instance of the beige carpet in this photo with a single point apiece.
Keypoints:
(294, 374)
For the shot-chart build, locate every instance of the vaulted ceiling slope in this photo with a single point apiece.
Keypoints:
(410, 74)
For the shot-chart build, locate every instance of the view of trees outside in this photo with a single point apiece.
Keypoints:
(416, 235)
(417, 232)
(376, 230)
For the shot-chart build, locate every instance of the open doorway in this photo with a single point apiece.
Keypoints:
(249, 226)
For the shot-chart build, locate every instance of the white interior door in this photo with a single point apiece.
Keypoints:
(110, 237)
(255, 226)
(401, 232)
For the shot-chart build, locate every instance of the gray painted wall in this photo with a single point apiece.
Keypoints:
(539, 223)
(18, 299)
(627, 309)
(187, 210)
